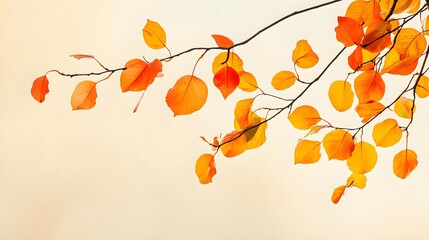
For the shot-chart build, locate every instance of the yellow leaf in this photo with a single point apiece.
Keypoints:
(338, 144)
(369, 86)
(234, 61)
(358, 180)
(338, 193)
(403, 107)
(303, 55)
(426, 27)
(404, 163)
(233, 144)
(283, 80)
(154, 35)
(255, 137)
(242, 112)
(393, 64)
(422, 89)
(248, 82)
(368, 110)
(363, 159)
(205, 168)
(341, 95)
(84, 96)
(410, 43)
(387, 133)
(304, 117)
(307, 151)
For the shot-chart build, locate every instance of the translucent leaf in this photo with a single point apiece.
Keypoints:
(233, 144)
(426, 27)
(338, 193)
(341, 95)
(248, 82)
(355, 59)
(283, 80)
(84, 96)
(358, 180)
(403, 107)
(188, 95)
(80, 56)
(363, 159)
(404, 163)
(205, 168)
(349, 31)
(40, 88)
(371, 13)
(368, 110)
(422, 89)
(256, 136)
(377, 36)
(410, 43)
(304, 117)
(222, 41)
(338, 144)
(303, 55)
(226, 80)
(242, 112)
(307, 151)
(369, 86)
(401, 5)
(355, 10)
(154, 35)
(234, 61)
(386, 133)
(393, 64)
(139, 75)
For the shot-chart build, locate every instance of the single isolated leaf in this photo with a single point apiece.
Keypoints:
(377, 36)
(338, 144)
(154, 35)
(188, 95)
(222, 41)
(338, 193)
(355, 59)
(233, 144)
(304, 117)
(84, 96)
(139, 74)
(403, 107)
(248, 82)
(404, 163)
(80, 56)
(226, 80)
(40, 88)
(283, 80)
(422, 89)
(341, 95)
(387, 133)
(410, 43)
(358, 180)
(368, 110)
(303, 55)
(307, 151)
(369, 86)
(234, 61)
(205, 168)
(363, 159)
(349, 31)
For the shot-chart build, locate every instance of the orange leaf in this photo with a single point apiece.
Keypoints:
(358, 180)
(255, 136)
(368, 110)
(338, 144)
(369, 86)
(304, 117)
(422, 89)
(393, 64)
(234, 61)
(341, 95)
(377, 36)
(307, 151)
(404, 163)
(400, 7)
(403, 107)
(188, 95)
(355, 59)
(84, 96)
(363, 159)
(139, 75)
(338, 193)
(233, 144)
(205, 168)
(80, 56)
(303, 55)
(368, 59)
(222, 41)
(410, 43)
(283, 80)
(242, 112)
(349, 31)
(386, 133)
(426, 27)
(226, 80)
(40, 88)
(355, 10)
(371, 13)
(154, 35)
(247, 82)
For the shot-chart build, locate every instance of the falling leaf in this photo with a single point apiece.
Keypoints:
(233, 144)
(410, 43)
(358, 180)
(349, 31)
(369, 86)
(205, 168)
(226, 80)
(222, 41)
(154, 35)
(341, 95)
(377, 36)
(403, 107)
(363, 159)
(307, 151)
(387, 133)
(84, 96)
(422, 89)
(234, 61)
(138, 74)
(368, 110)
(338, 193)
(283, 80)
(247, 82)
(188, 95)
(304, 117)
(80, 56)
(355, 59)
(404, 163)
(303, 55)
(40, 88)
(338, 144)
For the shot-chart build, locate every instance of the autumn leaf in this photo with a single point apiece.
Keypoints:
(242, 112)
(283, 80)
(349, 31)
(80, 56)
(355, 59)
(368, 110)
(188, 95)
(387, 133)
(338, 193)
(84, 96)
(357, 180)
(403, 107)
(222, 41)
(226, 80)
(234, 61)
(255, 136)
(304, 117)
(341, 95)
(338, 144)
(154, 35)
(138, 74)
(363, 159)
(315, 129)
(410, 43)
(205, 168)
(248, 82)
(404, 163)
(393, 64)
(233, 144)
(377, 36)
(371, 13)
(303, 55)
(307, 151)
(369, 86)
(422, 89)
(40, 88)
(355, 10)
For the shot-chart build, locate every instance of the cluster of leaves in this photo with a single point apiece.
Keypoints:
(382, 44)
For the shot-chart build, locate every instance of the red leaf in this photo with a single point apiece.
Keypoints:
(40, 88)
(222, 41)
(226, 80)
(349, 31)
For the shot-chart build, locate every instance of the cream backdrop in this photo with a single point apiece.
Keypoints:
(110, 174)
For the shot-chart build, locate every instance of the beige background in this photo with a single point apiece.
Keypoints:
(111, 174)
